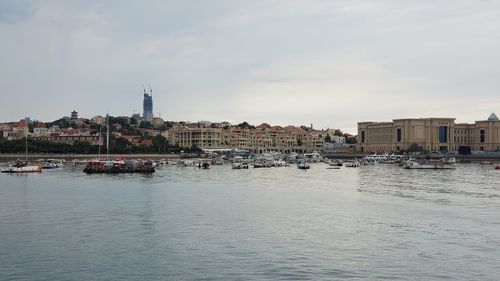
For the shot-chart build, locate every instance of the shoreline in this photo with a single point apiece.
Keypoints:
(11, 156)
(7, 156)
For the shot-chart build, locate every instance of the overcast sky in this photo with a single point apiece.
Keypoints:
(330, 63)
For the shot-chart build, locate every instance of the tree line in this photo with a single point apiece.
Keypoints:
(117, 146)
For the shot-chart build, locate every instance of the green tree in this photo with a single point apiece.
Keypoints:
(414, 148)
(351, 140)
(245, 125)
(328, 138)
(195, 149)
(146, 125)
(120, 145)
(159, 142)
(338, 133)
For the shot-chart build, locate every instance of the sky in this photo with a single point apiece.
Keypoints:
(285, 62)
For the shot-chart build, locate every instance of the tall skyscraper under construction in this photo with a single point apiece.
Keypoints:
(148, 105)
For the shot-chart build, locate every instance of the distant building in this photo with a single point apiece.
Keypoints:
(133, 139)
(204, 124)
(430, 134)
(264, 138)
(22, 128)
(74, 116)
(148, 105)
(156, 122)
(40, 129)
(98, 120)
(94, 139)
(334, 138)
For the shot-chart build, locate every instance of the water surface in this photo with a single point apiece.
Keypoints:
(369, 223)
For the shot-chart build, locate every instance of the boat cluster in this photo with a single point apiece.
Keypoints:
(237, 161)
(119, 166)
(409, 162)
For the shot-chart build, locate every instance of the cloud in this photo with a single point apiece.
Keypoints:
(331, 63)
(13, 11)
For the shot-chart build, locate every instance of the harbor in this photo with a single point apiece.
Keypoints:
(237, 159)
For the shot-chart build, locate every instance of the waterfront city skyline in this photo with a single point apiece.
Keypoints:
(331, 64)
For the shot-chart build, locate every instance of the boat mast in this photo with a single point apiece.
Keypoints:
(100, 138)
(26, 144)
(107, 137)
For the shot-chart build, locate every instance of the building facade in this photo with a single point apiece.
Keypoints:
(93, 139)
(430, 134)
(258, 140)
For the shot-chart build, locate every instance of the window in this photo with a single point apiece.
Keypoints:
(362, 136)
(443, 134)
(398, 135)
(481, 135)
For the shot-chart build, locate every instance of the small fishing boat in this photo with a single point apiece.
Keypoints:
(22, 167)
(428, 165)
(333, 167)
(51, 164)
(203, 165)
(303, 165)
(352, 164)
(239, 165)
(336, 163)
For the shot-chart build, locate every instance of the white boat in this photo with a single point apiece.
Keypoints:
(313, 157)
(352, 164)
(51, 164)
(203, 164)
(303, 165)
(333, 167)
(280, 163)
(427, 165)
(238, 165)
(449, 160)
(336, 163)
(218, 161)
(22, 169)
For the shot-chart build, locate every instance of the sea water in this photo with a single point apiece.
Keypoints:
(369, 223)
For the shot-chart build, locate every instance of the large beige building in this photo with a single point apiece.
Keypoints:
(264, 138)
(431, 134)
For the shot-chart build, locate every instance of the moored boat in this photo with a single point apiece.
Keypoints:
(333, 167)
(22, 168)
(238, 165)
(336, 163)
(303, 165)
(428, 165)
(352, 164)
(203, 165)
(51, 164)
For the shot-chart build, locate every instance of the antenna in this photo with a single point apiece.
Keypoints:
(144, 88)
(150, 90)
